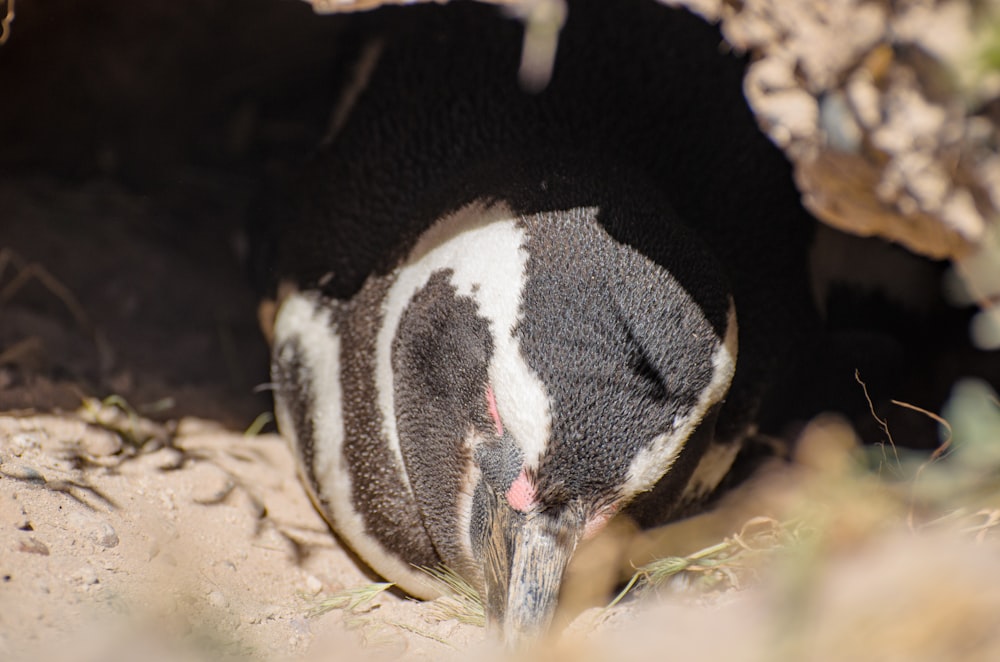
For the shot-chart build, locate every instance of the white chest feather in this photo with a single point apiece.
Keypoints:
(483, 247)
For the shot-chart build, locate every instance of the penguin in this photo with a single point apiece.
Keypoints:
(502, 316)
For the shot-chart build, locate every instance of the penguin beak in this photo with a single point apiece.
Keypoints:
(525, 556)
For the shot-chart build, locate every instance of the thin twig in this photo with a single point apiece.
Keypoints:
(946, 444)
(882, 422)
(935, 456)
(5, 22)
(258, 424)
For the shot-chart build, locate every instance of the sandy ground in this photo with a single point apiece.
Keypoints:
(209, 543)
(201, 545)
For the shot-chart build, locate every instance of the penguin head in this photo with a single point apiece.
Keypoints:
(547, 368)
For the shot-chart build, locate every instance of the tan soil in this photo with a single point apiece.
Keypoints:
(209, 542)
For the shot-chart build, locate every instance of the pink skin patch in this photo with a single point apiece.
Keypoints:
(521, 495)
(491, 406)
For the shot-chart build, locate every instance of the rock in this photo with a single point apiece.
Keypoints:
(32, 545)
(104, 535)
(100, 443)
(217, 599)
(23, 442)
(212, 484)
(313, 585)
(166, 459)
(94, 529)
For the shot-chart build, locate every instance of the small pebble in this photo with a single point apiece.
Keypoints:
(217, 599)
(213, 485)
(313, 585)
(23, 442)
(167, 459)
(32, 545)
(104, 535)
(101, 443)
(93, 529)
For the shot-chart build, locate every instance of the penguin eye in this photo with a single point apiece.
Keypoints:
(491, 407)
(500, 462)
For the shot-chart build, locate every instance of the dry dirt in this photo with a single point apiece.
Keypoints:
(201, 545)
(208, 543)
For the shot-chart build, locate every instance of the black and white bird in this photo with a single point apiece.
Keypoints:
(505, 316)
